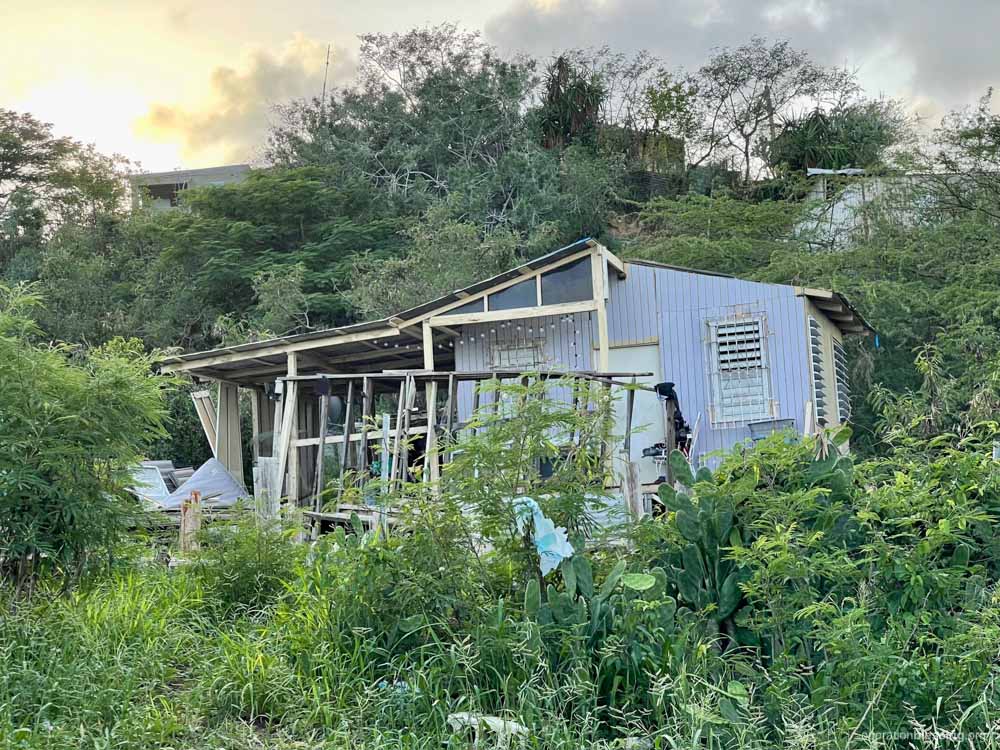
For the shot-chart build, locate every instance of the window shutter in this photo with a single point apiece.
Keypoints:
(843, 384)
(816, 364)
(740, 383)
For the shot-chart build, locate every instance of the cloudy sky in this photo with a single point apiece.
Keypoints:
(185, 83)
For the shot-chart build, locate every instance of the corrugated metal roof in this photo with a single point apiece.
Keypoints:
(413, 312)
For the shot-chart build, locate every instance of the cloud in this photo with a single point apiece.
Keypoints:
(231, 123)
(936, 56)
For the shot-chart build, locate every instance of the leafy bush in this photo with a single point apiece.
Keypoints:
(243, 565)
(72, 425)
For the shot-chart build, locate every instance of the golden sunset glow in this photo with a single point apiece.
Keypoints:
(188, 84)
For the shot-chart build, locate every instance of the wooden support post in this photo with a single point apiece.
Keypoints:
(629, 409)
(255, 399)
(411, 399)
(451, 409)
(599, 271)
(345, 448)
(432, 466)
(324, 412)
(670, 439)
(292, 489)
(400, 407)
(384, 454)
(632, 490)
(367, 404)
(190, 522)
(475, 402)
(430, 399)
(607, 428)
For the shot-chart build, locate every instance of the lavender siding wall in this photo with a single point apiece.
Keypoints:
(674, 308)
(564, 342)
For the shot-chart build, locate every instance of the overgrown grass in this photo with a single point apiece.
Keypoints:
(785, 600)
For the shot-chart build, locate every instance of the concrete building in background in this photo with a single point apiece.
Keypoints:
(160, 190)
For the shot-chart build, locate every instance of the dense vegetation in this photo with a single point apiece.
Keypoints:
(793, 598)
(787, 600)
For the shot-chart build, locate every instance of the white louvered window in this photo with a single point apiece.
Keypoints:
(816, 366)
(843, 385)
(741, 385)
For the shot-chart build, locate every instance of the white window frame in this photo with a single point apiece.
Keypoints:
(501, 359)
(736, 414)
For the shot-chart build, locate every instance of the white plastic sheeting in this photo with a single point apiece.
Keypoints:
(149, 486)
(218, 488)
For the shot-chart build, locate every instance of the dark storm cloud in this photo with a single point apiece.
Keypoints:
(937, 51)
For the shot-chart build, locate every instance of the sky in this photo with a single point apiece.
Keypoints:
(185, 84)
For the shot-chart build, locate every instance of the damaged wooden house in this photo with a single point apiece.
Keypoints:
(745, 358)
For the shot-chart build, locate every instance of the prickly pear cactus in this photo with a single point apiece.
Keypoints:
(706, 580)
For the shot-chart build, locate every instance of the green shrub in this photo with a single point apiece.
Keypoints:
(244, 565)
(73, 426)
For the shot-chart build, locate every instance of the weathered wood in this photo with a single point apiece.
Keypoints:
(632, 490)
(289, 347)
(324, 414)
(228, 439)
(451, 410)
(190, 522)
(565, 308)
(348, 430)
(432, 466)
(629, 410)
(284, 447)
(367, 405)
(354, 437)
(599, 271)
(205, 409)
(400, 407)
(411, 398)
(292, 489)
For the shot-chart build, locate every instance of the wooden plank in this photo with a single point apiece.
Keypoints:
(205, 409)
(367, 404)
(229, 357)
(355, 437)
(599, 271)
(292, 490)
(629, 409)
(411, 398)
(348, 430)
(632, 490)
(400, 406)
(430, 399)
(324, 407)
(228, 440)
(451, 408)
(255, 398)
(566, 308)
